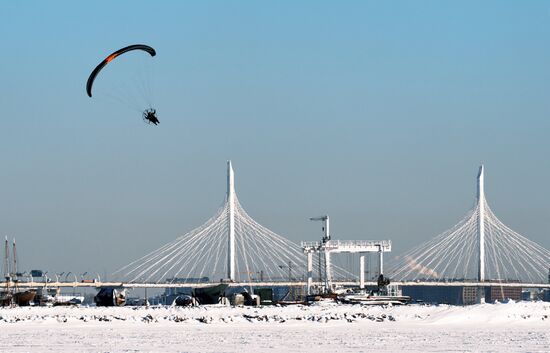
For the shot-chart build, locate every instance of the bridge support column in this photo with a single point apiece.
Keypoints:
(231, 225)
(380, 262)
(328, 277)
(481, 234)
(362, 271)
(480, 295)
(309, 272)
(481, 225)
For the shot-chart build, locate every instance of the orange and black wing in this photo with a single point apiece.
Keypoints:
(108, 59)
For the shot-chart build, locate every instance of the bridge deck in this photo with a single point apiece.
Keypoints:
(265, 284)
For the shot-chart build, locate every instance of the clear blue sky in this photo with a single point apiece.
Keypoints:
(377, 113)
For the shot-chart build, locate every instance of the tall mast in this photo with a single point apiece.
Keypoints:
(6, 260)
(14, 253)
(231, 225)
(481, 224)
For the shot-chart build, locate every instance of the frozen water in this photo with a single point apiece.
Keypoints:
(521, 327)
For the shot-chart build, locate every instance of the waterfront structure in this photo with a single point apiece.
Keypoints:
(460, 295)
(479, 248)
(229, 247)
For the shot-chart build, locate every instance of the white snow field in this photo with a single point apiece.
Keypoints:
(510, 327)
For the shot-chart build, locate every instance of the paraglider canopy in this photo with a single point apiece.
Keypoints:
(110, 58)
(150, 114)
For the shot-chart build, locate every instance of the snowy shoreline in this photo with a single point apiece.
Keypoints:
(511, 327)
(532, 313)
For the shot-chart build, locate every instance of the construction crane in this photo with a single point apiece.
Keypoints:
(326, 224)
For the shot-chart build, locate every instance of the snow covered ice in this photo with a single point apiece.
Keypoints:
(511, 327)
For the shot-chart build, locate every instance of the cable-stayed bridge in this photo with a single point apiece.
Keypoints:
(230, 247)
(479, 251)
(479, 248)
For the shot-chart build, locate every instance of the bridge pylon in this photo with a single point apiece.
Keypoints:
(231, 246)
(479, 248)
(231, 222)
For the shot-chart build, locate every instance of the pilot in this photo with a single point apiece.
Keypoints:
(152, 116)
